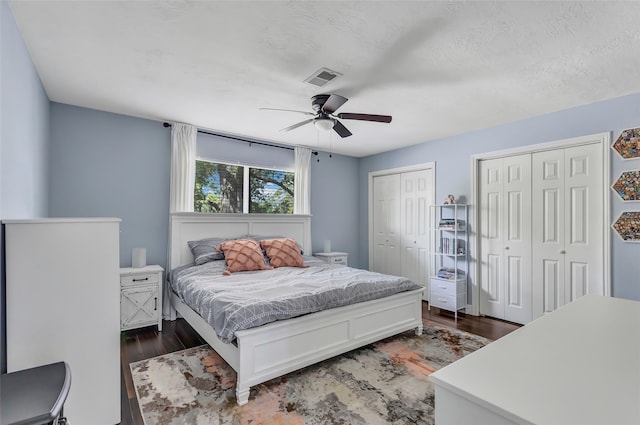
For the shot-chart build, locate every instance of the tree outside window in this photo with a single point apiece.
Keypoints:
(270, 191)
(220, 188)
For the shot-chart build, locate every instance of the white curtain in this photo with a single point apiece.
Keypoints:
(183, 167)
(183, 179)
(302, 183)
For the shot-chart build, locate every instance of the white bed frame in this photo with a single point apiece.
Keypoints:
(278, 348)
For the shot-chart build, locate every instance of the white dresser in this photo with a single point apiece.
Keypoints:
(577, 365)
(62, 304)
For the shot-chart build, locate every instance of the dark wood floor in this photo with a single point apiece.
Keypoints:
(144, 343)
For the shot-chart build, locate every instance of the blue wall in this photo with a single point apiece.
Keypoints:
(453, 161)
(335, 195)
(24, 140)
(104, 164)
(110, 165)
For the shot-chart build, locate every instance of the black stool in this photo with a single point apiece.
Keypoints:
(35, 396)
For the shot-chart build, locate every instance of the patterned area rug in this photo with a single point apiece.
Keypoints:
(385, 382)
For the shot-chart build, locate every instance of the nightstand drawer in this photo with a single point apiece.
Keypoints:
(333, 257)
(447, 302)
(338, 259)
(443, 301)
(447, 287)
(140, 279)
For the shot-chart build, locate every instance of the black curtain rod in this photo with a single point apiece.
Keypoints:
(166, 124)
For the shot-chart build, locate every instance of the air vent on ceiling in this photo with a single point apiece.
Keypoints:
(322, 77)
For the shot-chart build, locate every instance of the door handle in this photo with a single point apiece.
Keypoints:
(563, 252)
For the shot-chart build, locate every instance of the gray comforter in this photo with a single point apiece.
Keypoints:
(248, 299)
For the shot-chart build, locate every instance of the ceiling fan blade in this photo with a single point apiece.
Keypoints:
(364, 117)
(341, 129)
(287, 110)
(300, 124)
(333, 103)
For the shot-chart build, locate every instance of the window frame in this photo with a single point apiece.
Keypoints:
(246, 190)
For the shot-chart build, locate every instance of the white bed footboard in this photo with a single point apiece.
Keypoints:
(278, 348)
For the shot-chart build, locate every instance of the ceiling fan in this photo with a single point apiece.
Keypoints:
(324, 106)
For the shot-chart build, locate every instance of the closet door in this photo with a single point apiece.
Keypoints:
(505, 231)
(491, 234)
(386, 224)
(415, 198)
(568, 243)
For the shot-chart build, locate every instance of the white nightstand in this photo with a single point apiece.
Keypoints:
(140, 297)
(333, 257)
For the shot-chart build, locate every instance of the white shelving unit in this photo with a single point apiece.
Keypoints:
(449, 257)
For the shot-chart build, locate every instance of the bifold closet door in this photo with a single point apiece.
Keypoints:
(387, 228)
(505, 232)
(567, 226)
(414, 210)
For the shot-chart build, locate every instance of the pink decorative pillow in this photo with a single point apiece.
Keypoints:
(242, 255)
(282, 252)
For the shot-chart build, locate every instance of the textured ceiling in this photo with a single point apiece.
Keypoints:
(440, 68)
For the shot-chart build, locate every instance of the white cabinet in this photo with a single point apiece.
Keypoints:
(140, 297)
(450, 257)
(62, 305)
(334, 257)
(543, 364)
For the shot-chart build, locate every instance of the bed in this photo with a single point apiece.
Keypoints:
(265, 352)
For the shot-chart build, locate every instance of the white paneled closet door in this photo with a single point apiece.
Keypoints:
(567, 224)
(505, 232)
(415, 199)
(387, 229)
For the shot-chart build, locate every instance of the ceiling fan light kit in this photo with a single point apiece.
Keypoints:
(324, 106)
(324, 124)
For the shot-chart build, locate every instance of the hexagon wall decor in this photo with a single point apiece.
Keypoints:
(628, 144)
(628, 186)
(628, 226)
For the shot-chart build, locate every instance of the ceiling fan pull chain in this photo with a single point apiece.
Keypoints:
(330, 144)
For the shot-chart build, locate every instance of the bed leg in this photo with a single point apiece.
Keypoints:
(419, 329)
(242, 396)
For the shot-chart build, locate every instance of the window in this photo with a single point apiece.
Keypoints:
(226, 188)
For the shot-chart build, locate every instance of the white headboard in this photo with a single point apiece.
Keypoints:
(184, 227)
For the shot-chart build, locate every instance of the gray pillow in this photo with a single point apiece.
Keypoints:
(205, 250)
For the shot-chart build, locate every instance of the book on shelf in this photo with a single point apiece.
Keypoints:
(450, 223)
(451, 246)
(449, 274)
